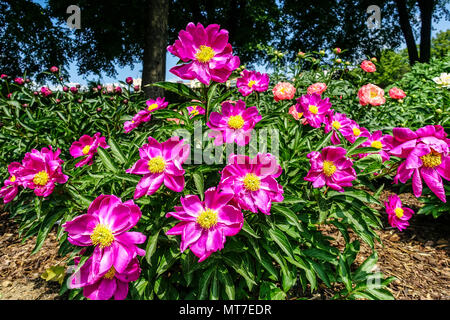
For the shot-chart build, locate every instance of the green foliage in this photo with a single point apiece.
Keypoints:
(392, 67)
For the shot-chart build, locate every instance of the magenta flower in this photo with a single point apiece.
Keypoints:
(153, 105)
(87, 146)
(106, 285)
(41, 170)
(234, 124)
(207, 52)
(398, 216)
(195, 111)
(160, 162)
(105, 226)
(379, 141)
(314, 108)
(3, 76)
(332, 168)
(19, 81)
(252, 81)
(353, 131)
(74, 89)
(253, 181)
(336, 121)
(129, 80)
(11, 185)
(139, 118)
(46, 91)
(54, 69)
(205, 224)
(427, 157)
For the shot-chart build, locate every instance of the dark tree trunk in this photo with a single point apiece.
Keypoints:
(426, 12)
(155, 42)
(407, 31)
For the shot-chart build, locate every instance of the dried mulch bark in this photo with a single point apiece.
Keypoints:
(20, 273)
(418, 257)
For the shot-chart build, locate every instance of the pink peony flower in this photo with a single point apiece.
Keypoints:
(398, 216)
(396, 93)
(252, 81)
(371, 94)
(336, 121)
(318, 87)
(332, 168)
(54, 69)
(207, 52)
(129, 80)
(41, 170)
(353, 131)
(118, 90)
(426, 154)
(234, 124)
(252, 180)
(46, 91)
(294, 113)
(106, 285)
(87, 146)
(377, 140)
(3, 76)
(195, 110)
(205, 224)
(74, 90)
(11, 185)
(153, 105)
(368, 66)
(160, 162)
(105, 226)
(19, 81)
(283, 91)
(314, 108)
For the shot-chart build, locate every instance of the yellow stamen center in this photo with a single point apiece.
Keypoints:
(41, 178)
(110, 274)
(336, 125)
(152, 107)
(399, 212)
(313, 109)
(132, 121)
(207, 219)
(86, 149)
(251, 83)
(194, 111)
(282, 90)
(12, 179)
(204, 54)
(376, 144)
(356, 131)
(102, 236)
(156, 164)
(431, 160)
(329, 168)
(236, 122)
(251, 182)
(373, 94)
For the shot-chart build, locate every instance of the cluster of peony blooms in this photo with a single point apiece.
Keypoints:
(114, 262)
(426, 153)
(246, 184)
(146, 114)
(39, 171)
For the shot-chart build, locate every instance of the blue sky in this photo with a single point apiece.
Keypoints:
(171, 61)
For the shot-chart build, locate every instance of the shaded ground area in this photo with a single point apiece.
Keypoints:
(418, 257)
(19, 272)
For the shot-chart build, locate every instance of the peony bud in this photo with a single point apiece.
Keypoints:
(54, 69)
(129, 80)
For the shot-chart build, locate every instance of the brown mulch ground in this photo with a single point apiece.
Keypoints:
(418, 257)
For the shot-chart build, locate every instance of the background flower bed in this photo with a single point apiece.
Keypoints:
(273, 250)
